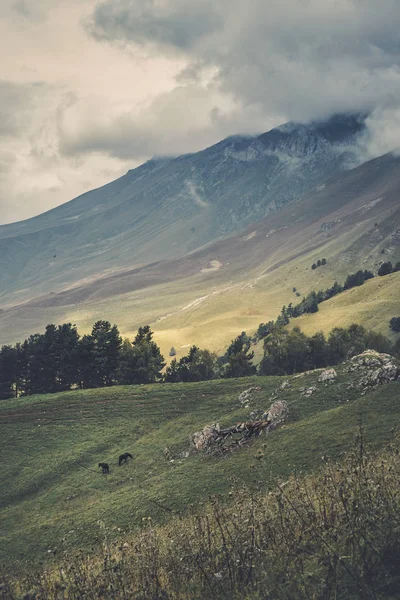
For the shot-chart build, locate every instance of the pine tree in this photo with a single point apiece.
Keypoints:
(98, 355)
(198, 365)
(172, 372)
(239, 358)
(66, 356)
(38, 379)
(142, 362)
(8, 364)
(86, 363)
(311, 303)
(318, 350)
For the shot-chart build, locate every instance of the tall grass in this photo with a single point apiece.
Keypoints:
(335, 535)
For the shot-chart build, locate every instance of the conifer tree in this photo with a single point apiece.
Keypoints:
(239, 358)
(8, 364)
(142, 361)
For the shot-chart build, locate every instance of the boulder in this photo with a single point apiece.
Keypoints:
(277, 413)
(245, 396)
(201, 440)
(285, 385)
(327, 375)
(309, 391)
(375, 368)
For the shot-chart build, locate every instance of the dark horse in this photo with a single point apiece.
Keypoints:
(105, 467)
(124, 458)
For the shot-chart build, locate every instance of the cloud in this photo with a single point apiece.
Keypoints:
(382, 133)
(176, 24)
(33, 175)
(186, 119)
(29, 11)
(300, 60)
(128, 79)
(17, 102)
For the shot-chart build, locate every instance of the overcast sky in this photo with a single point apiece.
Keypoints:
(89, 89)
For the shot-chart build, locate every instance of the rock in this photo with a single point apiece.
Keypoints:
(304, 373)
(277, 413)
(376, 368)
(370, 358)
(245, 396)
(384, 374)
(205, 438)
(309, 391)
(254, 415)
(327, 375)
(285, 385)
(184, 454)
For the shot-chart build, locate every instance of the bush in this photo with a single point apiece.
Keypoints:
(394, 324)
(385, 269)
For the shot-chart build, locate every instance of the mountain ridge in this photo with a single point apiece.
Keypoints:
(207, 296)
(169, 207)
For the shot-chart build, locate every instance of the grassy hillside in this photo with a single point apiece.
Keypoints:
(209, 296)
(53, 496)
(372, 304)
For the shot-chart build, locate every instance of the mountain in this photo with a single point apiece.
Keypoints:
(209, 295)
(169, 207)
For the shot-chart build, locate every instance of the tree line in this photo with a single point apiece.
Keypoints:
(309, 303)
(288, 352)
(60, 359)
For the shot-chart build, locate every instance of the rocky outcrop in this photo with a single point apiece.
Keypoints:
(375, 368)
(208, 436)
(246, 395)
(327, 376)
(309, 391)
(277, 413)
(213, 437)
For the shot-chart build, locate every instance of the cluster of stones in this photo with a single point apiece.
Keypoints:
(375, 368)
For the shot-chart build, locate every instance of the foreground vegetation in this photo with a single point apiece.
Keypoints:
(331, 535)
(53, 496)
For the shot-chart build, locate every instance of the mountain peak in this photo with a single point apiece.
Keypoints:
(168, 206)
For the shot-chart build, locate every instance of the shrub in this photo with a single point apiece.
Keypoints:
(394, 324)
(385, 269)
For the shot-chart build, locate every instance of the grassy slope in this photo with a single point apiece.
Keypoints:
(185, 305)
(372, 304)
(54, 496)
